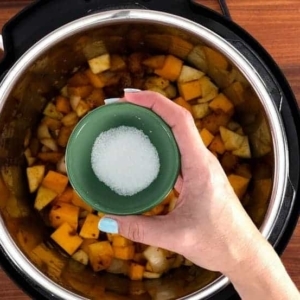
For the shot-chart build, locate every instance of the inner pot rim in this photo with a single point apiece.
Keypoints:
(209, 37)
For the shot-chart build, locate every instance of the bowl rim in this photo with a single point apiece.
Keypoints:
(84, 125)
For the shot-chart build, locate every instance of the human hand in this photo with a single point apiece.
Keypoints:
(208, 225)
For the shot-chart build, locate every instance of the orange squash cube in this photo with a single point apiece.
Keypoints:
(221, 102)
(136, 271)
(100, 255)
(96, 98)
(217, 145)
(65, 196)
(155, 62)
(66, 237)
(62, 104)
(117, 63)
(90, 229)
(180, 101)
(215, 59)
(206, 136)
(171, 69)
(125, 253)
(55, 181)
(80, 91)
(120, 241)
(64, 213)
(64, 135)
(239, 184)
(190, 90)
(94, 79)
(85, 244)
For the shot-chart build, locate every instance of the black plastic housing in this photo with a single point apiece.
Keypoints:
(44, 16)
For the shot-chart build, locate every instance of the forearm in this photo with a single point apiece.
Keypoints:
(262, 275)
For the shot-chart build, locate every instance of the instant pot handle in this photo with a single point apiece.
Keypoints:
(44, 16)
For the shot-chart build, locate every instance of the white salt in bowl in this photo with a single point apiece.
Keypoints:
(122, 159)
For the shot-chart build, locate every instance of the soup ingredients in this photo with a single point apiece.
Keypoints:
(226, 114)
(125, 160)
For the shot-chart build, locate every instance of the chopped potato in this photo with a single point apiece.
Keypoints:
(100, 63)
(44, 197)
(35, 176)
(189, 74)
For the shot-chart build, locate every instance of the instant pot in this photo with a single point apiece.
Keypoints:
(38, 45)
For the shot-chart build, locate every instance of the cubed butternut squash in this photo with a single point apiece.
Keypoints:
(95, 80)
(213, 121)
(223, 103)
(55, 181)
(120, 241)
(96, 98)
(171, 68)
(215, 59)
(136, 271)
(206, 136)
(51, 123)
(67, 238)
(190, 90)
(117, 63)
(64, 213)
(180, 101)
(65, 196)
(217, 145)
(85, 244)
(239, 184)
(64, 135)
(89, 228)
(155, 62)
(51, 157)
(63, 104)
(125, 253)
(78, 79)
(100, 255)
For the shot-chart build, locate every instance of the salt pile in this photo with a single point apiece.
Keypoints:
(125, 160)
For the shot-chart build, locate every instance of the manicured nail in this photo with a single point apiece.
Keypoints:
(111, 100)
(108, 225)
(131, 90)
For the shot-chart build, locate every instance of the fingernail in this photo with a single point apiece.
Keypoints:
(108, 225)
(131, 90)
(111, 100)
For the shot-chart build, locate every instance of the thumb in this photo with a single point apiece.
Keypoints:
(140, 229)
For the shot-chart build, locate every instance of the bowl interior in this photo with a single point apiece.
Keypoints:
(95, 192)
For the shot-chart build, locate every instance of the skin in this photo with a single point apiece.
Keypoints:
(209, 226)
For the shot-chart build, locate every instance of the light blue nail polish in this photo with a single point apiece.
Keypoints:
(108, 225)
(111, 100)
(131, 90)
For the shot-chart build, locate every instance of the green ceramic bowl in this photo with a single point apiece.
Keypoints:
(95, 192)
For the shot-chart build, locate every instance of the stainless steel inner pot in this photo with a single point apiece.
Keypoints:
(42, 68)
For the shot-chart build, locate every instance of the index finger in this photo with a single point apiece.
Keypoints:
(180, 120)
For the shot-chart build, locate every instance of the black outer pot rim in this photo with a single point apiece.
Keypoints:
(293, 211)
